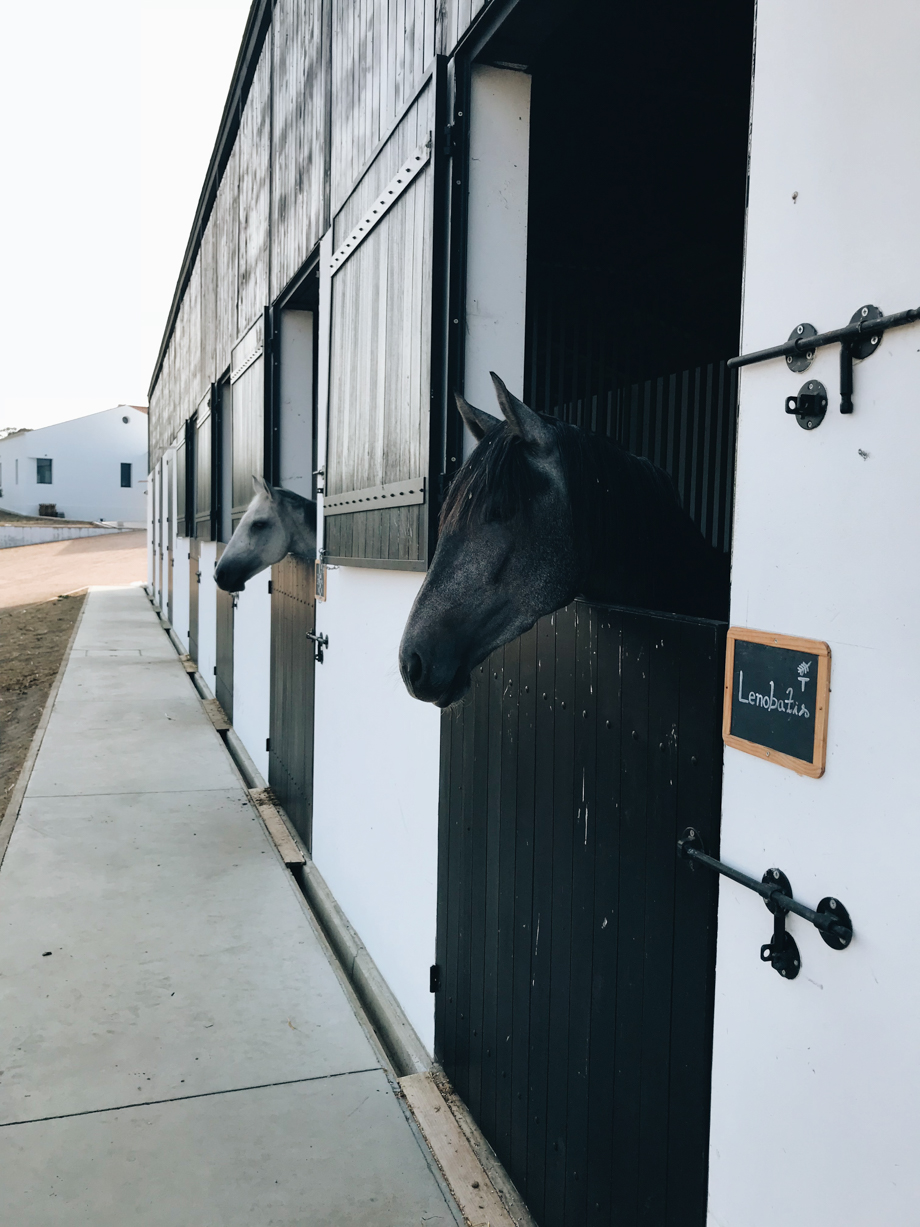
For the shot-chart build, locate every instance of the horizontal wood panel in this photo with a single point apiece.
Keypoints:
(396, 534)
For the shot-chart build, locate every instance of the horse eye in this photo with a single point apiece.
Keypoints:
(259, 524)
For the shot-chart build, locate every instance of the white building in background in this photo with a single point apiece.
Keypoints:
(91, 468)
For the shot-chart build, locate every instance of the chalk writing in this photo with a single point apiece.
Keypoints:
(770, 701)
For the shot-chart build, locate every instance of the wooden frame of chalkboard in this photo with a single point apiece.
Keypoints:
(780, 712)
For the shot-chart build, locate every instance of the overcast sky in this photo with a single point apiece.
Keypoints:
(109, 112)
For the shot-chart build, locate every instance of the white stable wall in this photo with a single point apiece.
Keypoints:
(149, 508)
(207, 613)
(816, 1083)
(86, 455)
(496, 273)
(252, 628)
(180, 609)
(375, 809)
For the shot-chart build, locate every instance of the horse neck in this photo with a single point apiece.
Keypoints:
(639, 546)
(301, 536)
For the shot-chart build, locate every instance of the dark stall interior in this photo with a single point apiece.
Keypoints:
(639, 133)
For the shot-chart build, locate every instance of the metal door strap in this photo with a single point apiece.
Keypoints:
(830, 918)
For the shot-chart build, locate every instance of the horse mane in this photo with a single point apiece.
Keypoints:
(305, 506)
(628, 522)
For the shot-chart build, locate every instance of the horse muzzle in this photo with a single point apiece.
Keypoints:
(430, 680)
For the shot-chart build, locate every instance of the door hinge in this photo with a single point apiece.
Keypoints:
(434, 977)
(269, 593)
(268, 743)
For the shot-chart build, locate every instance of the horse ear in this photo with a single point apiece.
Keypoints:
(478, 422)
(523, 421)
(260, 485)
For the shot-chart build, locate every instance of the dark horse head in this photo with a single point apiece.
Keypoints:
(277, 523)
(540, 513)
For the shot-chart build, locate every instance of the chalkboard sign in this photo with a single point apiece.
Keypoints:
(776, 691)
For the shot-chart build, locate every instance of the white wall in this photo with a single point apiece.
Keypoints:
(252, 625)
(207, 613)
(180, 610)
(149, 506)
(496, 275)
(86, 456)
(375, 819)
(816, 1083)
(12, 535)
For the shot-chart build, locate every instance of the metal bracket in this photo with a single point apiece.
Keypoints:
(781, 952)
(861, 346)
(830, 918)
(810, 406)
(322, 642)
(800, 362)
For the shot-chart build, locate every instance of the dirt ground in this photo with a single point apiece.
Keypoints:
(13, 517)
(42, 589)
(32, 643)
(33, 573)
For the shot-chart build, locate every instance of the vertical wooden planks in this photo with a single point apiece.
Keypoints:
(298, 130)
(290, 760)
(227, 208)
(254, 147)
(568, 932)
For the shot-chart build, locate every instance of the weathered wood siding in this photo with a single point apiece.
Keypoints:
(254, 145)
(298, 117)
(381, 50)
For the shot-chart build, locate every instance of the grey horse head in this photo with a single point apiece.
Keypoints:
(505, 552)
(277, 523)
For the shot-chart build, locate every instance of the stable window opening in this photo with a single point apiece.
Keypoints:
(126, 475)
(43, 472)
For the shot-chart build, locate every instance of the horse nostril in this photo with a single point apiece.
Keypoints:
(414, 668)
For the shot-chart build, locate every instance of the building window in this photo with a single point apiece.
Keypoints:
(43, 472)
(126, 475)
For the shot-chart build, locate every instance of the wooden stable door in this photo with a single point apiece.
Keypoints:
(290, 743)
(576, 955)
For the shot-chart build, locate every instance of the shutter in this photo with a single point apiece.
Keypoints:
(247, 384)
(181, 493)
(203, 471)
(380, 385)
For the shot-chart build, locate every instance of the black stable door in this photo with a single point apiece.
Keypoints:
(576, 954)
(290, 748)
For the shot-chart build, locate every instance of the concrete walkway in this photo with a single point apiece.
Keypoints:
(176, 1048)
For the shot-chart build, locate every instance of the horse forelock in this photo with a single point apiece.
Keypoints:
(497, 481)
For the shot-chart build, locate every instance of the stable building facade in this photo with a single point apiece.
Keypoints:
(607, 208)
